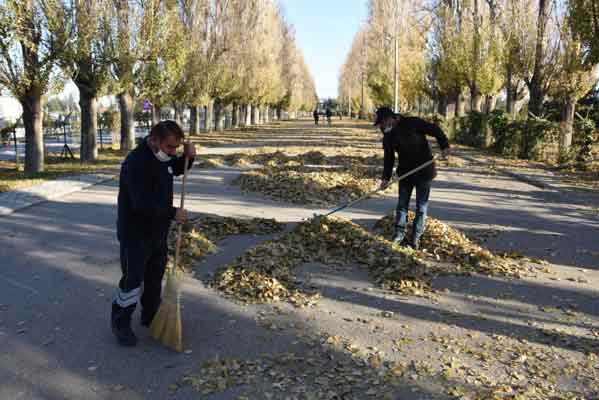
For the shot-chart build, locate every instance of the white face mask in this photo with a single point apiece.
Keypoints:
(162, 156)
(387, 129)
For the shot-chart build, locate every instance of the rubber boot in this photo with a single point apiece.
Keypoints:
(415, 244)
(121, 325)
(399, 235)
(417, 230)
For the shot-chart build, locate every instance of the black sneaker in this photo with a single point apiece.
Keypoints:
(121, 325)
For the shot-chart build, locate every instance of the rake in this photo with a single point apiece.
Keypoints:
(372, 193)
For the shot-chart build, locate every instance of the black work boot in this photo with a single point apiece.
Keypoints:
(121, 324)
(147, 315)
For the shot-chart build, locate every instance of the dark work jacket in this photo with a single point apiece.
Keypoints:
(145, 199)
(408, 140)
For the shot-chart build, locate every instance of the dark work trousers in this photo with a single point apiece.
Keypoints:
(142, 262)
(423, 190)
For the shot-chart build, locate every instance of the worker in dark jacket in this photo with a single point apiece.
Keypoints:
(145, 212)
(315, 115)
(328, 114)
(406, 136)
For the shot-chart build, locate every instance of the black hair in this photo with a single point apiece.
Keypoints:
(167, 127)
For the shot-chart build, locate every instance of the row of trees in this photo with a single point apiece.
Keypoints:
(176, 53)
(458, 53)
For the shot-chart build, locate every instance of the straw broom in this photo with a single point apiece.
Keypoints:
(166, 326)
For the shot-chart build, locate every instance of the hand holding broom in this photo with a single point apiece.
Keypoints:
(166, 326)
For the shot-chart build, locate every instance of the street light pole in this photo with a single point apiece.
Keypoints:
(363, 67)
(362, 101)
(349, 101)
(395, 76)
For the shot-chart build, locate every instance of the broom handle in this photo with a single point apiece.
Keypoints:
(180, 229)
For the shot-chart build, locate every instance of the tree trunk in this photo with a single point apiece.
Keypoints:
(228, 116)
(510, 92)
(127, 120)
(248, 114)
(235, 116)
(267, 114)
(460, 104)
(194, 119)
(255, 115)
(476, 100)
(535, 104)
(490, 102)
(535, 86)
(178, 108)
(442, 105)
(89, 125)
(210, 116)
(219, 112)
(33, 115)
(156, 117)
(567, 126)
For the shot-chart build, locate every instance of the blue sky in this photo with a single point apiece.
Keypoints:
(324, 32)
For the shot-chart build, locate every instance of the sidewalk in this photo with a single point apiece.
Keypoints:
(19, 199)
(60, 267)
(539, 176)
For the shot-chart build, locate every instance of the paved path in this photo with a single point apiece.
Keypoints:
(60, 265)
(26, 197)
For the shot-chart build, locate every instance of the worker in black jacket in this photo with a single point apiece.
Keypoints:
(145, 212)
(406, 136)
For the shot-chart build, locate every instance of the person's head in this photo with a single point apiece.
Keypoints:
(385, 119)
(164, 139)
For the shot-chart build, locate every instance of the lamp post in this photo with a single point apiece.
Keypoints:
(361, 114)
(349, 102)
(395, 76)
(395, 72)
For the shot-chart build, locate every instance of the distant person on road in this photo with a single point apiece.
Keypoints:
(145, 212)
(328, 114)
(407, 137)
(315, 115)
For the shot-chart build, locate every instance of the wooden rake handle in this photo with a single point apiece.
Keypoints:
(180, 228)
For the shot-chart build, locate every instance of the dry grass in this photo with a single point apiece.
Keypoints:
(56, 167)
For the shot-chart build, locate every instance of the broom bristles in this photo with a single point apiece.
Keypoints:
(166, 326)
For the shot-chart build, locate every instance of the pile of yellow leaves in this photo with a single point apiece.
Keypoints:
(200, 236)
(265, 272)
(306, 185)
(446, 243)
